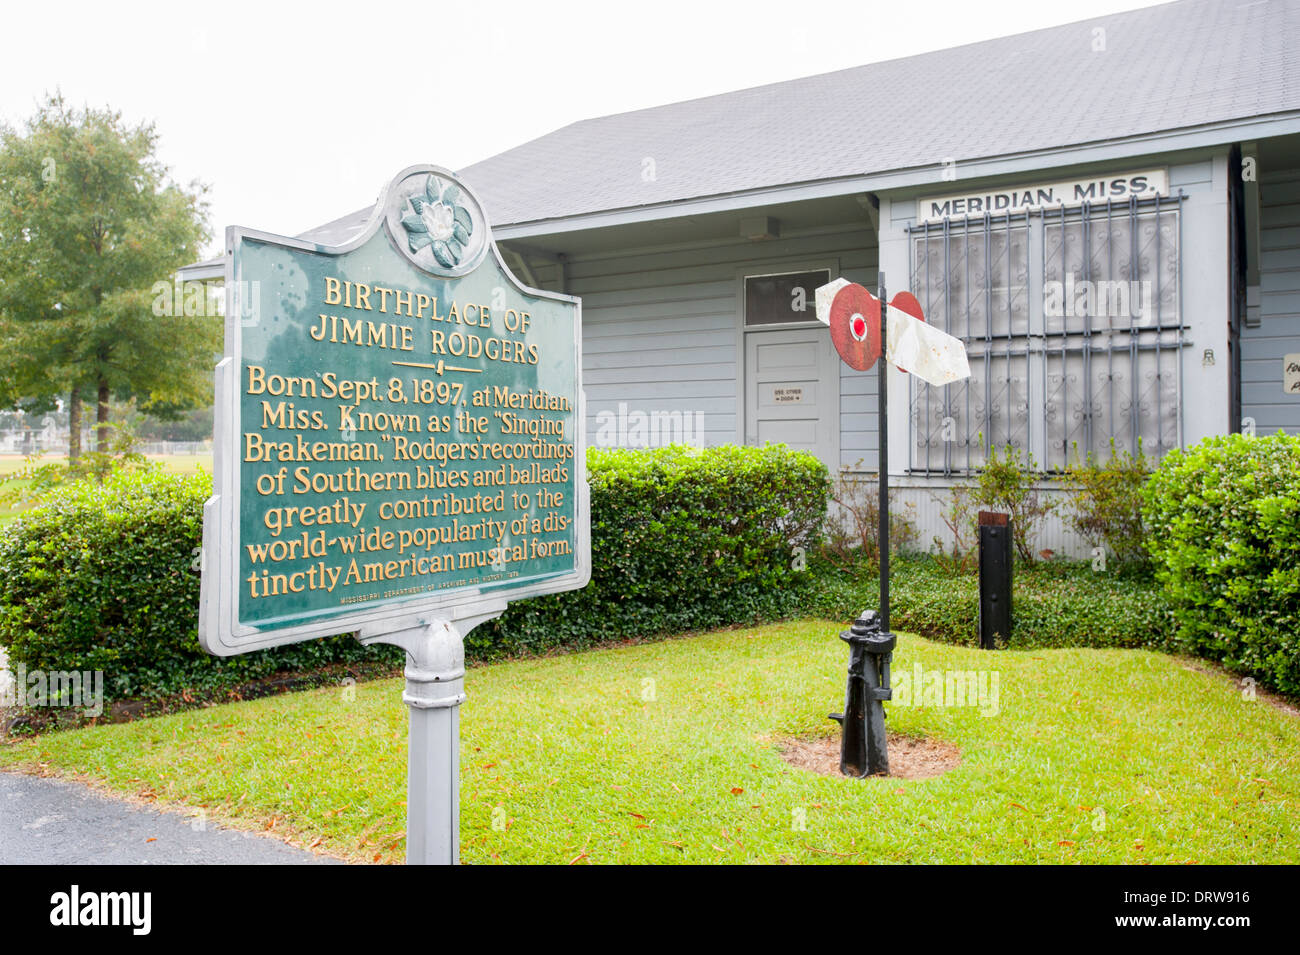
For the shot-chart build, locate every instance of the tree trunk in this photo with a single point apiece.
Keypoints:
(74, 428)
(101, 418)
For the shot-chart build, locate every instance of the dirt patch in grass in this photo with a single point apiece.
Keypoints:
(910, 757)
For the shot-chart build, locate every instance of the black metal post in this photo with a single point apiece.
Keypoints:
(882, 406)
(995, 557)
(864, 749)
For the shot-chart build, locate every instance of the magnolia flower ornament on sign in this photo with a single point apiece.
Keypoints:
(438, 224)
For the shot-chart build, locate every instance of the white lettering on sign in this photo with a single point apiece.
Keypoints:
(1291, 374)
(786, 396)
(1052, 195)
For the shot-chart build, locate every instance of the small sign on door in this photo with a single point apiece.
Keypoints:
(788, 395)
(1291, 374)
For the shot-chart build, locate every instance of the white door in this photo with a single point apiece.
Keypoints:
(792, 391)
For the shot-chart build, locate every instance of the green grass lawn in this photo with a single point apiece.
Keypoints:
(11, 463)
(666, 752)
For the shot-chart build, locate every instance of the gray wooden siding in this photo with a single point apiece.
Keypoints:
(1278, 333)
(661, 328)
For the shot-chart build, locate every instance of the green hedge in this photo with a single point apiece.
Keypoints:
(1224, 519)
(103, 577)
(681, 539)
(1054, 603)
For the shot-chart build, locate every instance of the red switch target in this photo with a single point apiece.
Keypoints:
(907, 302)
(855, 326)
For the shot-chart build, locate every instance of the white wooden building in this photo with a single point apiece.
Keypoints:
(1107, 213)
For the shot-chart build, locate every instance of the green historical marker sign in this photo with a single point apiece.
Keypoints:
(399, 429)
(399, 452)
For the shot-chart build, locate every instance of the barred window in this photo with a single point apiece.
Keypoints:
(972, 280)
(1112, 337)
(1068, 353)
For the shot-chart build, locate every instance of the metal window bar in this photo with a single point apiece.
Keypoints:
(1111, 373)
(982, 284)
(1142, 272)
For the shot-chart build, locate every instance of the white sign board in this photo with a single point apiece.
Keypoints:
(917, 348)
(1050, 195)
(1291, 374)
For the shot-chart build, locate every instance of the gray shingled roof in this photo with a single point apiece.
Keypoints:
(1165, 68)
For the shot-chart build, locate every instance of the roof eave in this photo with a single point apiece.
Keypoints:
(1212, 134)
(1188, 138)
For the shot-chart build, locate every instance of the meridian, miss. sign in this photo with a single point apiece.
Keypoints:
(399, 428)
(1043, 196)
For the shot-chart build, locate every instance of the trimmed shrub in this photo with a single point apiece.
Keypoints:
(681, 539)
(104, 577)
(1224, 519)
(1054, 604)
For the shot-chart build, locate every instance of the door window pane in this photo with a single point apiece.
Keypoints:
(782, 299)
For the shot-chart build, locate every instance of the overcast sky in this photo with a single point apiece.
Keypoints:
(295, 114)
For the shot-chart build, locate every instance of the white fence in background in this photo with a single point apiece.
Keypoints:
(175, 447)
(53, 443)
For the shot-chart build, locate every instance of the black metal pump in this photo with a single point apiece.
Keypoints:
(863, 748)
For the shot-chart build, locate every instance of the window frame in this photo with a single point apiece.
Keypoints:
(768, 326)
(1038, 348)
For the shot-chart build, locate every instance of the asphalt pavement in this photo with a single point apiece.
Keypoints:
(52, 822)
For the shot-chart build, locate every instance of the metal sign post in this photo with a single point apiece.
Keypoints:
(861, 330)
(400, 451)
(882, 406)
(435, 689)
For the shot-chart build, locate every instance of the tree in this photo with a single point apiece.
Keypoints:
(89, 222)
